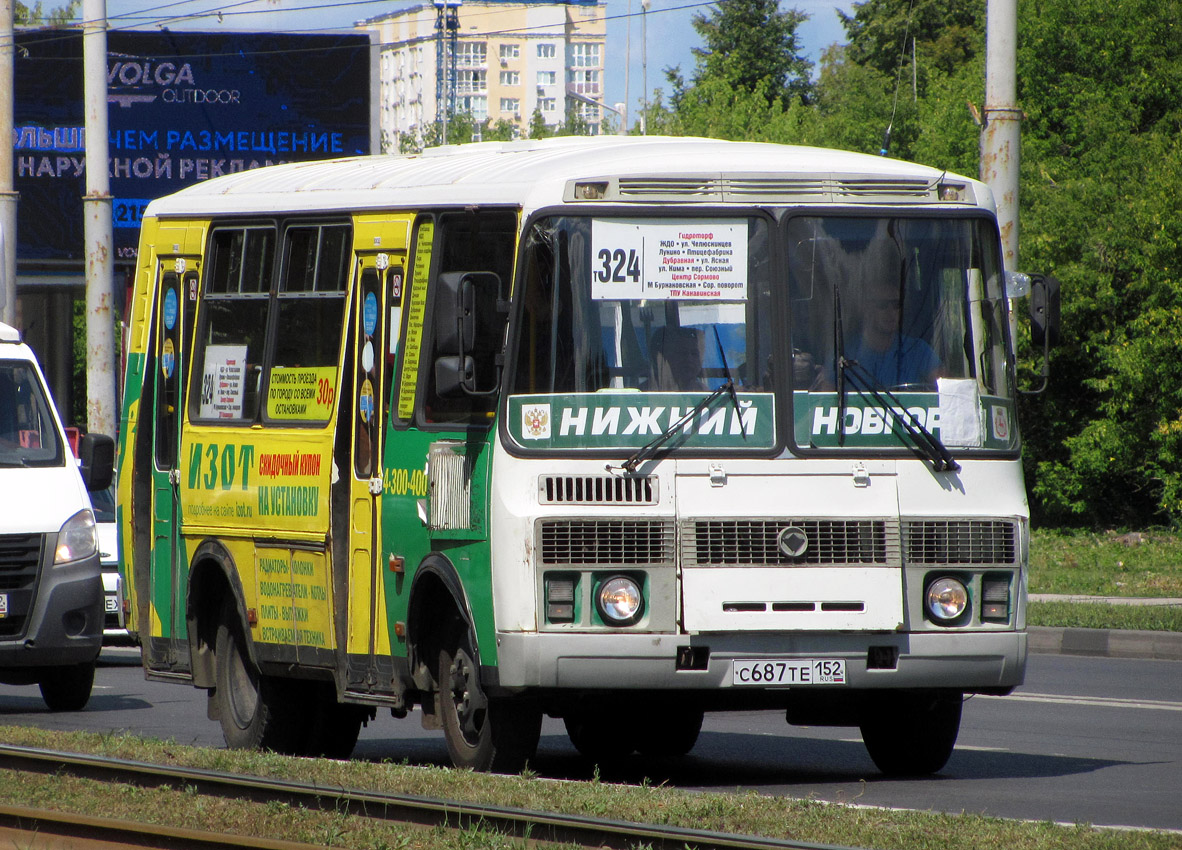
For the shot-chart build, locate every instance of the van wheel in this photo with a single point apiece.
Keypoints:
(482, 734)
(67, 688)
(912, 734)
(255, 711)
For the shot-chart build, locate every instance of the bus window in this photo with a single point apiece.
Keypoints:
(310, 306)
(473, 242)
(235, 311)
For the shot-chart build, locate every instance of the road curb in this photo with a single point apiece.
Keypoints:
(1105, 643)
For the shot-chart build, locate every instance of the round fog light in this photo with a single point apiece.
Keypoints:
(619, 601)
(947, 599)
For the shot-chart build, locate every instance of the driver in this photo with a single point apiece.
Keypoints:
(892, 358)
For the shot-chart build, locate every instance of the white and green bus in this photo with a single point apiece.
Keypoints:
(619, 431)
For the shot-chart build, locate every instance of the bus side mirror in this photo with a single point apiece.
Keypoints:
(1044, 321)
(1044, 310)
(96, 455)
(453, 375)
(461, 300)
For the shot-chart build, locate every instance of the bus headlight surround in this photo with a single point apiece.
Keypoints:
(619, 601)
(947, 599)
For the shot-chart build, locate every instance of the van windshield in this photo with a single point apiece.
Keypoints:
(28, 431)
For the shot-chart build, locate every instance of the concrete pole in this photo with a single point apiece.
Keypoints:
(101, 415)
(8, 195)
(1001, 134)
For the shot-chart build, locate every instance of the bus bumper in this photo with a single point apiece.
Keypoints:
(968, 661)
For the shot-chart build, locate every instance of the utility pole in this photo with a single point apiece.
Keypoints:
(1002, 130)
(8, 195)
(96, 205)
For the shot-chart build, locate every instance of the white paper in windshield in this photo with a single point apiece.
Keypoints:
(635, 259)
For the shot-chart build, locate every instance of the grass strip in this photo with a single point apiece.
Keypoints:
(1088, 615)
(803, 820)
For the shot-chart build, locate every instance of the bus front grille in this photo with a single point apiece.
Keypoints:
(977, 541)
(597, 490)
(591, 542)
(756, 542)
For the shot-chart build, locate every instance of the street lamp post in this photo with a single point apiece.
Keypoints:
(644, 7)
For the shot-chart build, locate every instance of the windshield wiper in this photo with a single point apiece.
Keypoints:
(650, 448)
(730, 382)
(926, 444)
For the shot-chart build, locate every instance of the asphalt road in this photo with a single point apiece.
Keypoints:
(1095, 740)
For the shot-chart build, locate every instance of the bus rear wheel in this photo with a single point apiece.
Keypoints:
(482, 734)
(912, 734)
(255, 711)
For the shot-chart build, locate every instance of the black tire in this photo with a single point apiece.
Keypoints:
(912, 734)
(482, 734)
(601, 737)
(336, 727)
(256, 711)
(669, 732)
(68, 688)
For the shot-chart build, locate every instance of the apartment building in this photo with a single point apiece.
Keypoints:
(510, 59)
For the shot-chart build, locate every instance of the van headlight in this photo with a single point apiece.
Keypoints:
(947, 599)
(619, 601)
(77, 539)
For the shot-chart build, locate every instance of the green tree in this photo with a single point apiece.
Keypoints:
(37, 16)
(750, 46)
(942, 34)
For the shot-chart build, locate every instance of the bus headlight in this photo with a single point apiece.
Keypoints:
(947, 599)
(77, 539)
(619, 601)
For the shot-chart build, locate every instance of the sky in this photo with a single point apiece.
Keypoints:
(670, 33)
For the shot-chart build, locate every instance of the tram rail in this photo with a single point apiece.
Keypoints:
(537, 826)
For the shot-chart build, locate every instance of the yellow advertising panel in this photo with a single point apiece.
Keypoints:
(249, 480)
(297, 392)
(293, 598)
(412, 348)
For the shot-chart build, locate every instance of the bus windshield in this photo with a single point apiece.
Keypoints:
(898, 313)
(654, 305)
(910, 310)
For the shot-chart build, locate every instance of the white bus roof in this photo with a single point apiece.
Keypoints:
(534, 174)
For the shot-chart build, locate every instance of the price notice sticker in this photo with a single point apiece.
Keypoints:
(634, 259)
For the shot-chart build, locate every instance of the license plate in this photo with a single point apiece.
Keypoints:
(3, 604)
(112, 604)
(798, 671)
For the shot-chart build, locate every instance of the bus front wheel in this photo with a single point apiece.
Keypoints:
(255, 711)
(482, 734)
(912, 734)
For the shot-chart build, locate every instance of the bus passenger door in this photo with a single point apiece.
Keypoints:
(367, 640)
(176, 303)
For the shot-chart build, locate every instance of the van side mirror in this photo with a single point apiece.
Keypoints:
(96, 455)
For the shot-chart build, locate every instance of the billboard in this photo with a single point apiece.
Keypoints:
(182, 107)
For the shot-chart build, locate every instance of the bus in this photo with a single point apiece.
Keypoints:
(598, 429)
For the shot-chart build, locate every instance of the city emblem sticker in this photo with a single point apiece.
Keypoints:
(1001, 422)
(535, 422)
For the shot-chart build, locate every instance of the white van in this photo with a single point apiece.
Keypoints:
(51, 592)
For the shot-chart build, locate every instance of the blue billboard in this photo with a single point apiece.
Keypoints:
(182, 107)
